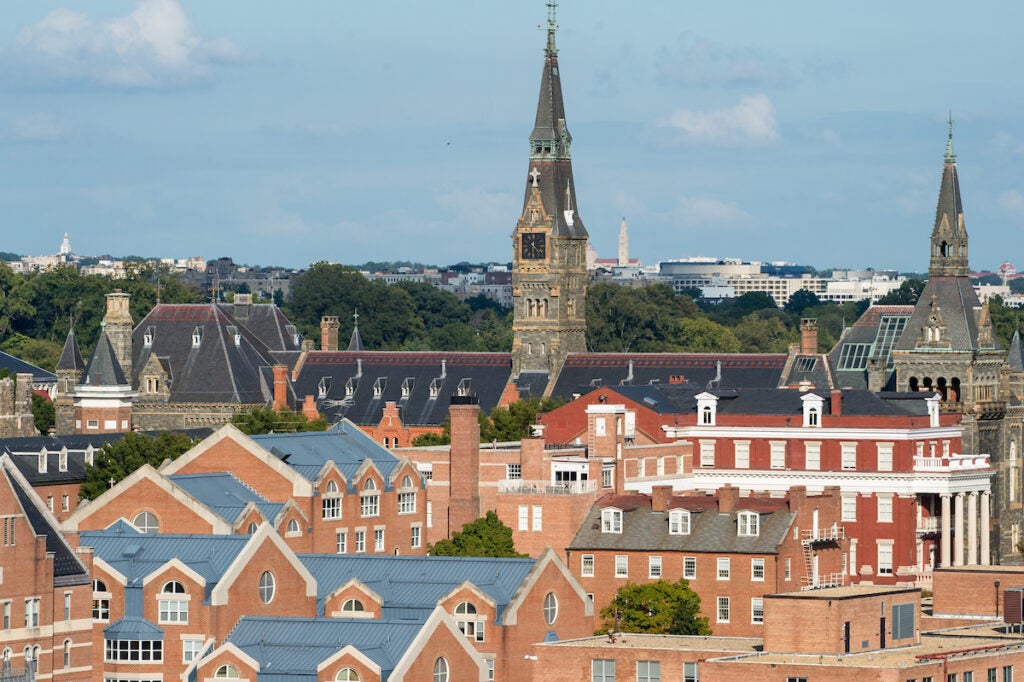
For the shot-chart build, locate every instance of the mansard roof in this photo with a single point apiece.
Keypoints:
(103, 368)
(356, 385)
(582, 372)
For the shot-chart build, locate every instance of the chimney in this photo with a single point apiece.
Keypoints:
(837, 403)
(464, 463)
(797, 497)
(309, 408)
(727, 498)
(808, 336)
(280, 387)
(329, 326)
(660, 495)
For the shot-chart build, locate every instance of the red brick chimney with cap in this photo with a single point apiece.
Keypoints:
(728, 496)
(464, 495)
(836, 406)
(797, 497)
(329, 326)
(280, 387)
(660, 495)
(808, 336)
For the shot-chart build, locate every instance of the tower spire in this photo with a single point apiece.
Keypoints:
(949, 236)
(950, 156)
(551, 50)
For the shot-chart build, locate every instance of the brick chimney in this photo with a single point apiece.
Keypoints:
(728, 496)
(836, 405)
(808, 336)
(280, 387)
(797, 497)
(464, 454)
(329, 326)
(309, 408)
(660, 495)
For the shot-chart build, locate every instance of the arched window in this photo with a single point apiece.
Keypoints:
(226, 672)
(173, 603)
(267, 587)
(369, 500)
(252, 528)
(370, 484)
(146, 522)
(407, 481)
(293, 527)
(100, 601)
(955, 389)
(706, 415)
(407, 497)
(353, 605)
(550, 608)
(913, 385)
(347, 675)
(331, 502)
(468, 625)
(441, 670)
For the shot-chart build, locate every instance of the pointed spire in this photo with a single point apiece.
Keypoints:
(356, 341)
(551, 50)
(1015, 358)
(103, 368)
(949, 236)
(71, 356)
(950, 156)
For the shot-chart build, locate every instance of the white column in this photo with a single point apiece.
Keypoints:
(986, 553)
(947, 541)
(972, 528)
(958, 530)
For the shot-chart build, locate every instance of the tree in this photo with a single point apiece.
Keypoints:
(661, 607)
(908, 293)
(514, 422)
(120, 458)
(487, 537)
(43, 413)
(800, 301)
(701, 335)
(268, 420)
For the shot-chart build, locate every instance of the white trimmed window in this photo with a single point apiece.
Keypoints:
(331, 502)
(524, 517)
(587, 565)
(360, 541)
(538, 518)
(611, 520)
(407, 497)
(369, 500)
(621, 566)
(757, 570)
(342, 542)
(885, 456)
(469, 626)
(849, 508)
(722, 611)
(707, 453)
(679, 522)
(885, 557)
(777, 450)
(514, 472)
(190, 648)
(173, 603)
(723, 568)
(757, 610)
(415, 535)
(654, 567)
(812, 455)
(689, 567)
(378, 540)
(748, 524)
(741, 452)
(885, 508)
(848, 455)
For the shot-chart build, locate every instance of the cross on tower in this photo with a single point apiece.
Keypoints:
(535, 174)
(355, 317)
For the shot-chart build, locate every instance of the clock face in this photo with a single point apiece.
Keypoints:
(534, 245)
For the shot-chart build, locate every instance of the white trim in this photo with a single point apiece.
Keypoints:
(348, 650)
(228, 647)
(175, 563)
(438, 618)
(798, 433)
(265, 533)
(510, 615)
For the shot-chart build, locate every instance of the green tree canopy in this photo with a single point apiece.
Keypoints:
(43, 413)
(662, 607)
(514, 422)
(644, 320)
(801, 300)
(120, 458)
(268, 420)
(487, 537)
(908, 293)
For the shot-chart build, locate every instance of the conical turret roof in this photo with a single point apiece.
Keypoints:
(71, 356)
(103, 368)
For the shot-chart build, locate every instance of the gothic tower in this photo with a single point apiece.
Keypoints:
(118, 324)
(549, 270)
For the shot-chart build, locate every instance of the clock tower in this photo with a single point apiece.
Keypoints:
(549, 265)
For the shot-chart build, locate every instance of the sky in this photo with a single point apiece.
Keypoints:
(282, 133)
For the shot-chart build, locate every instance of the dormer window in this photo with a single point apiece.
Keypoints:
(197, 336)
(89, 451)
(147, 338)
(41, 462)
(378, 387)
(407, 385)
(679, 522)
(62, 459)
(707, 409)
(748, 524)
(350, 387)
(464, 387)
(323, 386)
(611, 520)
(813, 406)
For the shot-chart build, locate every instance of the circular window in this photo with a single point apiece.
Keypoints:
(550, 608)
(146, 523)
(352, 605)
(441, 670)
(267, 587)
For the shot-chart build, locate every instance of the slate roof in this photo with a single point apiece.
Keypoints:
(292, 648)
(344, 444)
(410, 587)
(958, 304)
(17, 366)
(225, 495)
(869, 334)
(103, 368)
(377, 377)
(710, 531)
(1015, 357)
(583, 371)
(266, 323)
(227, 365)
(70, 355)
(67, 567)
(812, 369)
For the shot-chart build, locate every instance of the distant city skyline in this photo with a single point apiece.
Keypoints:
(278, 135)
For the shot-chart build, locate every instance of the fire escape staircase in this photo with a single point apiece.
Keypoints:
(812, 540)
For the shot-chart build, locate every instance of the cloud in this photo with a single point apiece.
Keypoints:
(1012, 201)
(474, 208)
(1004, 141)
(40, 128)
(698, 62)
(153, 48)
(751, 121)
(705, 211)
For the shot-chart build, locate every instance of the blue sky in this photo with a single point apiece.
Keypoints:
(287, 133)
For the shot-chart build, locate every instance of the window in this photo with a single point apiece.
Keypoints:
(848, 454)
(100, 602)
(550, 608)
(777, 454)
(538, 518)
(67, 606)
(67, 653)
(331, 503)
(10, 526)
(902, 621)
(723, 610)
(611, 520)
(748, 524)
(992, 675)
(788, 568)
(513, 472)
(173, 603)
(587, 566)
(251, 528)
(621, 566)
(885, 456)
(347, 675)
(723, 568)
(885, 508)
(407, 502)
(524, 517)
(146, 523)
(602, 670)
(227, 671)
(65, 503)
(648, 671)
(654, 567)
(470, 627)
(266, 588)
(742, 454)
(679, 522)
(293, 528)
(757, 610)
(607, 474)
(690, 673)
(812, 456)
(1007, 673)
(849, 508)
(7, 615)
(369, 501)
(378, 540)
(32, 612)
(707, 453)
(757, 570)
(353, 606)
(415, 537)
(342, 542)
(133, 650)
(885, 558)
(190, 649)
(690, 567)
(441, 670)
(360, 541)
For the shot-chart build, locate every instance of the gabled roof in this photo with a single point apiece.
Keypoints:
(103, 368)
(420, 383)
(68, 569)
(225, 495)
(411, 586)
(39, 375)
(71, 356)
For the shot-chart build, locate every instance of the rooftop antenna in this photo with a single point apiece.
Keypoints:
(552, 27)
(950, 156)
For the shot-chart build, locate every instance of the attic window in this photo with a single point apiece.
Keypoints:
(197, 336)
(748, 524)
(407, 385)
(611, 520)
(350, 388)
(42, 461)
(62, 459)
(679, 522)
(147, 338)
(323, 386)
(353, 605)
(435, 387)
(378, 386)
(464, 387)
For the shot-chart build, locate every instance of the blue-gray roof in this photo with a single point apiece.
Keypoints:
(292, 648)
(344, 444)
(224, 494)
(18, 366)
(133, 627)
(410, 587)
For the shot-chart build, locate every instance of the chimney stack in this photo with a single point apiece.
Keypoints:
(836, 406)
(464, 462)
(280, 387)
(728, 496)
(660, 495)
(329, 326)
(808, 336)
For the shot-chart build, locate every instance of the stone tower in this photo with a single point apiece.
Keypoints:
(69, 370)
(549, 271)
(118, 325)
